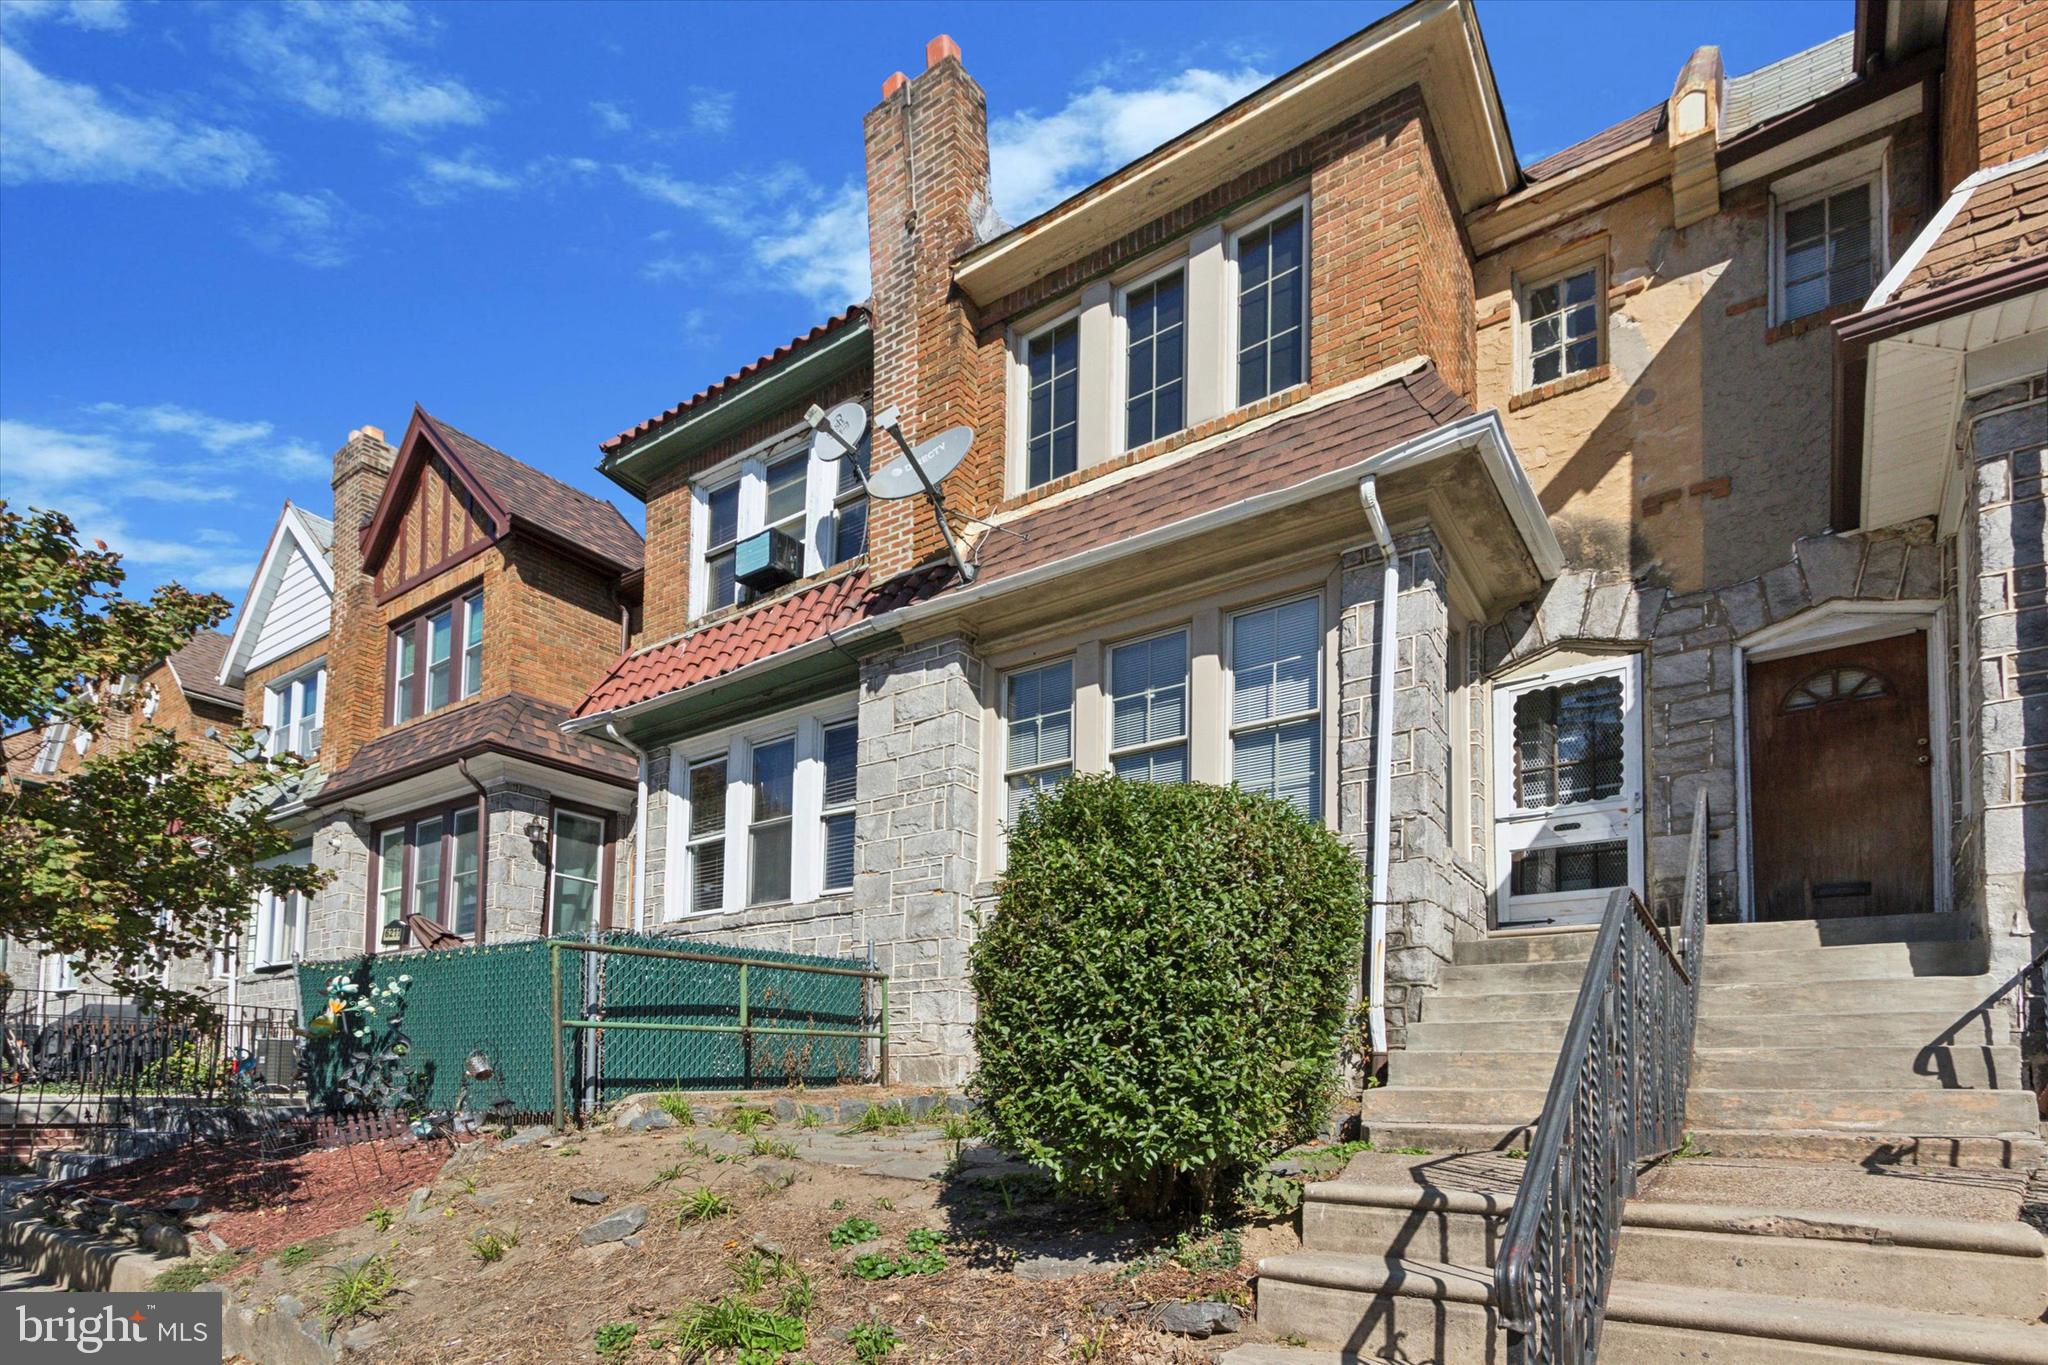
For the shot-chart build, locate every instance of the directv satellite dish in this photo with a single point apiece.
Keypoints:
(838, 431)
(922, 468)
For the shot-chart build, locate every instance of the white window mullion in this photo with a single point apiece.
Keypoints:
(753, 497)
(821, 482)
(675, 880)
(739, 819)
(807, 872)
(700, 577)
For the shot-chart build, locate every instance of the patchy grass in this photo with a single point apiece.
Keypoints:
(703, 1204)
(677, 1107)
(183, 1279)
(490, 1246)
(357, 1291)
(883, 1118)
(746, 1122)
(733, 1324)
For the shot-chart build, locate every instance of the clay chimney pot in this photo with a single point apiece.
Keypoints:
(940, 48)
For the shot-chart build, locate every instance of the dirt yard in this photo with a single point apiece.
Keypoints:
(808, 1240)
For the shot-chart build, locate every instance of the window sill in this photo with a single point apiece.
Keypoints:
(1585, 379)
(1811, 322)
(828, 902)
(271, 968)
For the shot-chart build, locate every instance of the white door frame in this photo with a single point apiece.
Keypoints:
(1829, 626)
(1629, 810)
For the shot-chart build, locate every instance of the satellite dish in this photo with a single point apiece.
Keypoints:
(838, 431)
(922, 468)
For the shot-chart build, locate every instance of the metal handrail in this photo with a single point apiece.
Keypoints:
(1617, 1099)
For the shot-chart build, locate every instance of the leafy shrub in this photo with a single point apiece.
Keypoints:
(1162, 986)
(854, 1231)
(871, 1341)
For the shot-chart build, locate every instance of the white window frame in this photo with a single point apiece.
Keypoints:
(281, 700)
(1869, 164)
(1226, 663)
(462, 683)
(1072, 762)
(1238, 231)
(1120, 426)
(1020, 395)
(1525, 356)
(273, 910)
(807, 819)
(50, 748)
(558, 815)
(827, 811)
(749, 471)
(1519, 829)
(1186, 738)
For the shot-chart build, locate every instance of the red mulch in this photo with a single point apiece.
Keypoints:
(263, 1205)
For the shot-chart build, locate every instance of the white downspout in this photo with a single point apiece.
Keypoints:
(1382, 770)
(639, 827)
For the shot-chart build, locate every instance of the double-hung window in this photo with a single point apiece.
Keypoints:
(50, 751)
(576, 874)
(818, 501)
(786, 481)
(1155, 358)
(437, 657)
(721, 539)
(1052, 364)
(1275, 702)
(293, 711)
(431, 866)
(1561, 327)
(1038, 753)
(1272, 305)
(847, 534)
(768, 818)
(1826, 250)
(281, 918)
(1148, 727)
(1567, 830)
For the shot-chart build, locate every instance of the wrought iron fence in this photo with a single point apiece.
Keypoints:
(1617, 1099)
(80, 1060)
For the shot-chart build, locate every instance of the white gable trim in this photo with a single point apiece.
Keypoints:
(291, 531)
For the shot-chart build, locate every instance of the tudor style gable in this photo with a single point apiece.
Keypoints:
(434, 514)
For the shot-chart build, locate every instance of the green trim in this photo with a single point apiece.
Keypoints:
(636, 466)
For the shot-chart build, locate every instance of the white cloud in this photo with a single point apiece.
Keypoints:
(794, 233)
(66, 132)
(104, 15)
(217, 434)
(316, 228)
(1036, 160)
(711, 110)
(821, 251)
(449, 177)
(346, 61)
(610, 117)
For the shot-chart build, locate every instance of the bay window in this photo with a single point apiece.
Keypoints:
(293, 709)
(431, 865)
(428, 670)
(763, 815)
(1275, 702)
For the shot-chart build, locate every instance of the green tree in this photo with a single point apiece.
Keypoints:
(150, 851)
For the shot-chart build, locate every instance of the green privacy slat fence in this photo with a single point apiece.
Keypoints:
(498, 1000)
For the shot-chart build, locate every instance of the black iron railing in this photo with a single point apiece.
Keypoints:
(1617, 1099)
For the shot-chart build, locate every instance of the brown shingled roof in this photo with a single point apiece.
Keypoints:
(514, 724)
(1626, 133)
(544, 502)
(745, 372)
(197, 669)
(2003, 222)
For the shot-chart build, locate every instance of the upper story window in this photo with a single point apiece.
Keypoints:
(1052, 360)
(1561, 326)
(1155, 358)
(819, 502)
(293, 709)
(50, 752)
(1272, 305)
(437, 657)
(1148, 722)
(1275, 702)
(763, 816)
(1039, 752)
(1824, 250)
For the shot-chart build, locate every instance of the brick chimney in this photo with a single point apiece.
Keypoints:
(355, 641)
(927, 164)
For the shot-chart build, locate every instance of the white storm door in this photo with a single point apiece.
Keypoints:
(1568, 780)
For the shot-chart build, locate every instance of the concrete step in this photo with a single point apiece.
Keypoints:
(1499, 1105)
(1898, 1029)
(1792, 966)
(1406, 1309)
(1958, 994)
(1952, 1113)
(1542, 945)
(1893, 1260)
(1782, 1068)
(1871, 1149)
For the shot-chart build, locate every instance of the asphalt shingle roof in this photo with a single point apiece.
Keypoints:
(1785, 85)
(516, 724)
(197, 669)
(543, 501)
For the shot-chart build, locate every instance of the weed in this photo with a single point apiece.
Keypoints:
(1270, 1194)
(882, 1118)
(669, 1174)
(677, 1107)
(836, 1205)
(755, 1269)
(1222, 1252)
(571, 1150)
(183, 1279)
(1688, 1150)
(614, 1339)
(798, 1294)
(745, 1121)
(886, 1204)
(491, 1246)
(692, 1147)
(1294, 1341)
(924, 1239)
(871, 1341)
(1417, 1151)
(959, 1127)
(702, 1205)
(469, 1184)
(922, 1257)
(733, 1324)
(298, 1254)
(1516, 1153)
(810, 1118)
(854, 1231)
(772, 1147)
(355, 1291)
(380, 1218)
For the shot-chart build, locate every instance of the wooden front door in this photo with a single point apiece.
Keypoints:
(1839, 787)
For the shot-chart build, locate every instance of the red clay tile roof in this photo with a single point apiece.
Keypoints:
(1274, 457)
(197, 669)
(1625, 133)
(545, 502)
(745, 372)
(732, 642)
(515, 724)
(2003, 222)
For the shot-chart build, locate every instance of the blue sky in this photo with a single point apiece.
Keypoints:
(230, 232)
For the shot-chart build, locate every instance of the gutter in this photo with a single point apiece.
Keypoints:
(1382, 773)
(1481, 432)
(639, 826)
